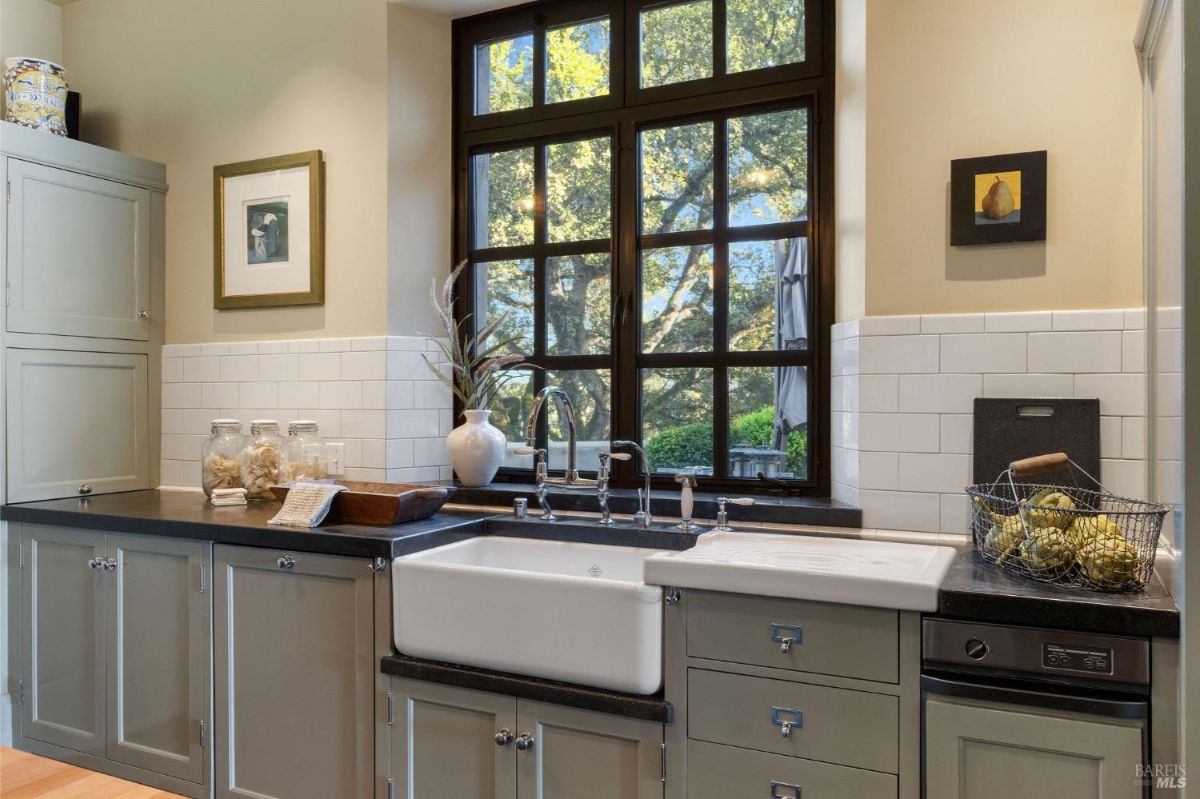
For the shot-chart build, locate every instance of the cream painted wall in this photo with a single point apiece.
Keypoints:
(195, 83)
(850, 172)
(30, 28)
(950, 79)
(419, 166)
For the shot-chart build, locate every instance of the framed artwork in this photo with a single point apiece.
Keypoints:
(269, 232)
(998, 199)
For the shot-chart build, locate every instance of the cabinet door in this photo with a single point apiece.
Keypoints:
(580, 754)
(78, 254)
(62, 637)
(158, 654)
(993, 751)
(294, 674)
(76, 419)
(444, 742)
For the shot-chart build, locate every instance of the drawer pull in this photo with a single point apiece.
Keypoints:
(286, 562)
(787, 719)
(784, 790)
(786, 635)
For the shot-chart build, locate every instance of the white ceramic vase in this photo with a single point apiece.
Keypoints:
(477, 449)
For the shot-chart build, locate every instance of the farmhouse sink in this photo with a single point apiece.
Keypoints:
(572, 612)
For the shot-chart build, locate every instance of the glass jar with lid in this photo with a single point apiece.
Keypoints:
(304, 455)
(261, 459)
(220, 457)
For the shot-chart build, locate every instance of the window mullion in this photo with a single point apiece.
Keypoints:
(720, 41)
(627, 316)
(720, 297)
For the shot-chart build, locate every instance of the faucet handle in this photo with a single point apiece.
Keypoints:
(619, 456)
(528, 451)
(723, 516)
(540, 470)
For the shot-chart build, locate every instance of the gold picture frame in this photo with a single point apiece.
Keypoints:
(257, 263)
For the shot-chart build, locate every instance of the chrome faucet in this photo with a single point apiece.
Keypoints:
(570, 478)
(642, 517)
(602, 476)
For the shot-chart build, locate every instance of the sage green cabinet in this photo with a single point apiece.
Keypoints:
(115, 647)
(449, 741)
(295, 667)
(996, 751)
(445, 742)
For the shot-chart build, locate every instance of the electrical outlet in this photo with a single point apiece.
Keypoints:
(336, 453)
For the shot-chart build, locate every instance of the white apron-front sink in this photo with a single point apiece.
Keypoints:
(578, 613)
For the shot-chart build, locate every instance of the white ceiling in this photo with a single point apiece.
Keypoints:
(456, 8)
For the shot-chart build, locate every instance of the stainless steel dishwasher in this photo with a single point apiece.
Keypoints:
(1013, 711)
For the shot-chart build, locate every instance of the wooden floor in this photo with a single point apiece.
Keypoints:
(26, 776)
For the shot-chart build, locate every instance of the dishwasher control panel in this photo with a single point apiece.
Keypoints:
(1034, 652)
(1082, 659)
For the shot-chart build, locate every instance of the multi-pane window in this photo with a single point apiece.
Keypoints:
(641, 189)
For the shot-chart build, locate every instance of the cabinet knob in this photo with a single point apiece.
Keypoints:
(110, 565)
(524, 742)
(84, 489)
(286, 562)
(143, 315)
(94, 563)
(784, 790)
(504, 737)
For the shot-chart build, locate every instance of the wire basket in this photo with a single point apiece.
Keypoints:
(1090, 538)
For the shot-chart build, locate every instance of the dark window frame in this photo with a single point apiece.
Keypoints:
(621, 114)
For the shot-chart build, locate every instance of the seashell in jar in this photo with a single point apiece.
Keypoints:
(260, 469)
(221, 471)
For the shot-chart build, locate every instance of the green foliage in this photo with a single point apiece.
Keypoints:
(692, 444)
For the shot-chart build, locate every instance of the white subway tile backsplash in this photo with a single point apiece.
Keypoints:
(942, 393)
(878, 394)
(372, 453)
(984, 352)
(364, 423)
(956, 516)
(1135, 318)
(172, 370)
(304, 345)
(214, 348)
(336, 344)
(220, 395)
(370, 365)
(239, 368)
(320, 366)
(1119, 394)
(300, 394)
(898, 432)
(1107, 319)
(258, 395)
(369, 343)
(341, 394)
(938, 473)
(417, 423)
(279, 367)
(898, 354)
(172, 421)
(243, 348)
(272, 347)
(430, 451)
(203, 369)
(375, 394)
(844, 357)
(845, 432)
(1110, 437)
(878, 470)
(1024, 322)
(901, 510)
(1070, 353)
(957, 433)
(181, 395)
(180, 350)
(1133, 438)
(1029, 385)
(1133, 351)
(417, 343)
(1124, 478)
(407, 365)
(888, 326)
(431, 394)
(952, 323)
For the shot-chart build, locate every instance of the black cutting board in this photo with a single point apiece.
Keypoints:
(1007, 430)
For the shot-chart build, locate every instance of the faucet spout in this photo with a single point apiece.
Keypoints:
(643, 517)
(570, 478)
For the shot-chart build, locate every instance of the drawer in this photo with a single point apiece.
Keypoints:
(726, 772)
(829, 639)
(835, 725)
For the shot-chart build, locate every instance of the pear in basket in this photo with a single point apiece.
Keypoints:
(1110, 563)
(1087, 529)
(1049, 508)
(1047, 551)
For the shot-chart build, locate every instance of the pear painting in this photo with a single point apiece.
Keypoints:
(998, 198)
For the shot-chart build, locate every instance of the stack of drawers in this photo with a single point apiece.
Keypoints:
(787, 696)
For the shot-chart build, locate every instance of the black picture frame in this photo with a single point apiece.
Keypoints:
(969, 226)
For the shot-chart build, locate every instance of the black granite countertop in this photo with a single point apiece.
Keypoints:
(187, 514)
(650, 708)
(978, 591)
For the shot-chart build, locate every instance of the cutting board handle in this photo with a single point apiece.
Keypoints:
(1039, 463)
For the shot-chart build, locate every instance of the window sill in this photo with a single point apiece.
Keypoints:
(770, 509)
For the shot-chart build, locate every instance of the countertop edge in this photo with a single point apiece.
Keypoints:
(647, 708)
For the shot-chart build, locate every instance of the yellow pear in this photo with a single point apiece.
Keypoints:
(998, 202)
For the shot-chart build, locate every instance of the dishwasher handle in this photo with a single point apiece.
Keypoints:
(1064, 699)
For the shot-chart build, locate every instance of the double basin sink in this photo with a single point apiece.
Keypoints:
(591, 614)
